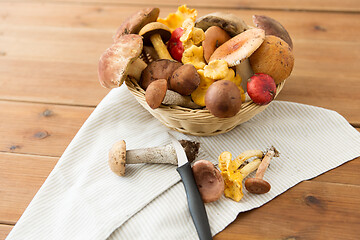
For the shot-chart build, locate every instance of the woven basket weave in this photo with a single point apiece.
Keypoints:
(198, 122)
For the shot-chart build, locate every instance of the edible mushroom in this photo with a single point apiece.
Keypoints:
(214, 37)
(159, 69)
(231, 23)
(121, 60)
(258, 185)
(185, 79)
(119, 156)
(223, 99)
(239, 47)
(208, 180)
(157, 34)
(157, 94)
(272, 27)
(135, 22)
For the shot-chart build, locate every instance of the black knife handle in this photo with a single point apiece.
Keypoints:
(196, 205)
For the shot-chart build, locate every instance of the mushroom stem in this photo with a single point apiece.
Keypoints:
(160, 47)
(174, 98)
(250, 167)
(272, 152)
(136, 68)
(164, 154)
(245, 71)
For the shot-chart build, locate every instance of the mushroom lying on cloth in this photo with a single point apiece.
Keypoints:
(121, 60)
(135, 22)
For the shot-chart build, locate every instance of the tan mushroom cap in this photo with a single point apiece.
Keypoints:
(272, 27)
(135, 22)
(208, 180)
(117, 158)
(155, 93)
(155, 28)
(274, 57)
(116, 60)
(239, 47)
(214, 37)
(257, 185)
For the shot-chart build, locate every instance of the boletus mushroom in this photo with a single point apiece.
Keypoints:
(223, 99)
(121, 60)
(159, 69)
(185, 79)
(208, 180)
(135, 22)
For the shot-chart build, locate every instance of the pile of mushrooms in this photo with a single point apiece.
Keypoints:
(219, 52)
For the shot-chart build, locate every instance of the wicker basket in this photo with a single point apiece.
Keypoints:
(198, 122)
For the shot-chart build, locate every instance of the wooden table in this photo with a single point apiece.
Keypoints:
(48, 87)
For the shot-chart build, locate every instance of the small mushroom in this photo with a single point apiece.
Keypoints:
(208, 180)
(231, 23)
(272, 27)
(157, 34)
(258, 185)
(239, 47)
(159, 69)
(223, 99)
(135, 22)
(121, 60)
(119, 156)
(274, 57)
(214, 37)
(185, 79)
(157, 94)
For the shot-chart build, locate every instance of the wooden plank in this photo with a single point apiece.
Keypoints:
(5, 230)
(314, 5)
(41, 129)
(310, 210)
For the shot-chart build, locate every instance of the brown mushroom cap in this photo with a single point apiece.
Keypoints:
(185, 79)
(155, 28)
(116, 60)
(155, 93)
(135, 22)
(239, 47)
(257, 185)
(274, 57)
(159, 69)
(272, 27)
(214, 37)
(223, 99)
(208, 180)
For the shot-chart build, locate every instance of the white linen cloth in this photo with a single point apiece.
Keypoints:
(83, 199)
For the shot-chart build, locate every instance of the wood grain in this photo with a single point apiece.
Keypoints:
(40, 129)
(5, 230)
(314, 5)
(311, 210)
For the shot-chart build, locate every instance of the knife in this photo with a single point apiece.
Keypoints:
(195, 203)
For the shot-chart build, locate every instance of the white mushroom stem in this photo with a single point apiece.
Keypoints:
(136, 68)
(160, 47)
(174, 98)
(250, 167)
(245, 71)
(165, 154)
(272, 152)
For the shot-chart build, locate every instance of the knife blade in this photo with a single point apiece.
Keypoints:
(195, 203)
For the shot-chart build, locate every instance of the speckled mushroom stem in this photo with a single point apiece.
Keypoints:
(164, 154)
(272, 152)
(136, 68)
(160, 47)
(174, 98)
(250, 167)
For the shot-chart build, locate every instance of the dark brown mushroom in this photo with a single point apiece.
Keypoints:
(159, 69)
(185, 79)
(208, 180)
(135, 22)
